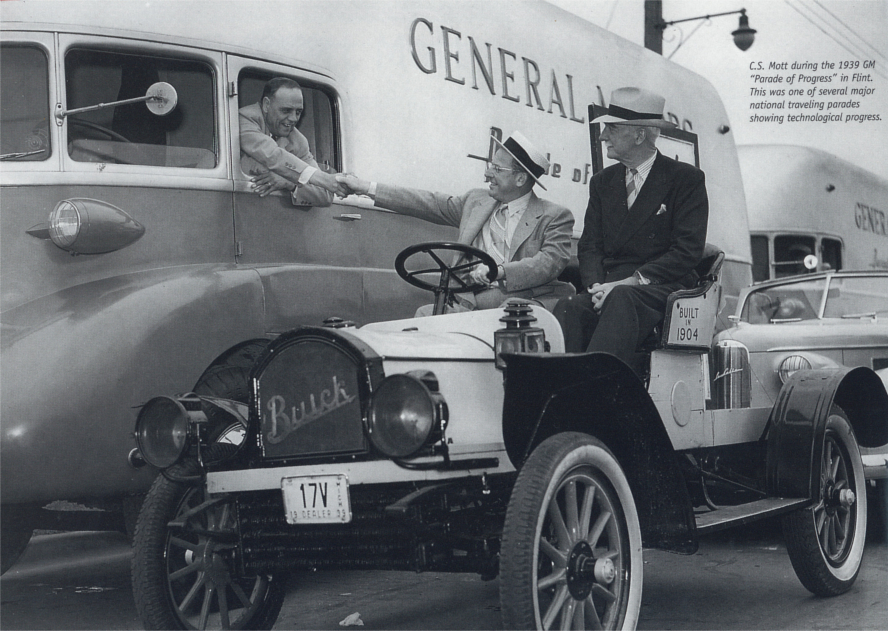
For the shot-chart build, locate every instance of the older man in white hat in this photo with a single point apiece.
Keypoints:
(527, 236)
(644, 233)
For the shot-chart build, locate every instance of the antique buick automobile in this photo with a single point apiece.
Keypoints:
(472, 443)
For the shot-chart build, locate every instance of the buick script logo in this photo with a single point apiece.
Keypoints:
(318, 406)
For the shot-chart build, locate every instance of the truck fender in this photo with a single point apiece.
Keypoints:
(598, 394)
(76, 364)
(798, 420)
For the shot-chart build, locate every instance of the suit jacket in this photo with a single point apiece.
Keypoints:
(540, 247)
(662, 236)
(259, 153)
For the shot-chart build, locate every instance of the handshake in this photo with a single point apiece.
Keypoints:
(340, 184)
(350, 184)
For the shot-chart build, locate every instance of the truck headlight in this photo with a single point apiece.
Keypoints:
(64, 224)
(790, 365)
(163, 430)
(406, 414)
(89, 227)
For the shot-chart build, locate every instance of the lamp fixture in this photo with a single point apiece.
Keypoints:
(744, 36)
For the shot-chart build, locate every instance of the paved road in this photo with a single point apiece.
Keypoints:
(737, 581)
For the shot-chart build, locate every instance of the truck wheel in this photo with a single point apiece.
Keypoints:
(230, 379)
(184, 571)
(825, 542)
(571, 549)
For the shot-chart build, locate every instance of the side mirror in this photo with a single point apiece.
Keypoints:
(161, 99)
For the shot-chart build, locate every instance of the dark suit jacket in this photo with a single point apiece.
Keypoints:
(540, 248)
(662, 236)
(259, 153)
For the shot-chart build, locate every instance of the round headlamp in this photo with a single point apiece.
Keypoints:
(90, 227)
(64, 224)
(162, 431)
(790, 365)
(406, 415)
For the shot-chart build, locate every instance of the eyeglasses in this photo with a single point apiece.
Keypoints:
(497, 168)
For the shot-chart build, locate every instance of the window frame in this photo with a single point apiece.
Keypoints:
(214, 62)
(46, 42)
(235, 64)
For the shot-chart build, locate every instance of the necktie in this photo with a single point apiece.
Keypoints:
(631, 190)
(498, 234)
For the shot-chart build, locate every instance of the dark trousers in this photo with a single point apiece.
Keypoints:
(628, 316)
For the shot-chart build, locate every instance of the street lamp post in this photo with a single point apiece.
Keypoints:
(654, 25)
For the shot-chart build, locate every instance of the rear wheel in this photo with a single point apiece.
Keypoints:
(184, 571)
(571, 554)
(825, 542)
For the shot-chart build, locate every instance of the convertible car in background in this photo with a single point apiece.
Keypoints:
(813, 321)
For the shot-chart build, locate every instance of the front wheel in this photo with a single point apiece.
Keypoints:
(184, 571)
(825, 542)
(571, 555)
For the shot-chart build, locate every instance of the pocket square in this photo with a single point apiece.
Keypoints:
(662, 209)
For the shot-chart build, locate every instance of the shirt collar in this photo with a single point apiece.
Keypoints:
(517, 206)
(644, 168)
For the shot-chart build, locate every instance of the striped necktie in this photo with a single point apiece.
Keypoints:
(631, 190)
(498, 234)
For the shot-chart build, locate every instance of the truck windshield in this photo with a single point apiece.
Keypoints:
(24, 109)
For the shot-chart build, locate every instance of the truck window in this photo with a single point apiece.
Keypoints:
(831, 254)
(790, 252)
(24, 109)
(317, 123)
(761, 261)
(131, 134)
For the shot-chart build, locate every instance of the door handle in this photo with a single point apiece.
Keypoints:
(348, 217)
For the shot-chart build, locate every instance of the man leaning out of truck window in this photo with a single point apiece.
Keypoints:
(527, 236)
(276, 154)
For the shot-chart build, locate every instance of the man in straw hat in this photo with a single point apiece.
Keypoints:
(644, 233)
(527, 236)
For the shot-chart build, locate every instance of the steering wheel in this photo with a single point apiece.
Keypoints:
(99, 128)
(450, 281)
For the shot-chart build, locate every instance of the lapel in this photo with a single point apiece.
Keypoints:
(474, 220)
(614, 204)
(646, 203)
(526, 224)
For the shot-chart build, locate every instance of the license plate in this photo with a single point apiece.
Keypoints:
(316, 499)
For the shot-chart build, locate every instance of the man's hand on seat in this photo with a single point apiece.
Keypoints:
(599, 291)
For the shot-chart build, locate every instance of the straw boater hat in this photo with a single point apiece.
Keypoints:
(528, 156)
(633, 106)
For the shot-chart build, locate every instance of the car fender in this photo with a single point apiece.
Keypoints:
(78, 362)
(798, 420)
(598, 394)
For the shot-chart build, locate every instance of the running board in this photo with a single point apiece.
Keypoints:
(734, 515)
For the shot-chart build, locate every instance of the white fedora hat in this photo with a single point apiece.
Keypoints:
(533, 160)
(633, 106)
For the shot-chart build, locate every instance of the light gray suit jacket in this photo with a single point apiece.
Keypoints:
(259, 152)
(540, 247)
